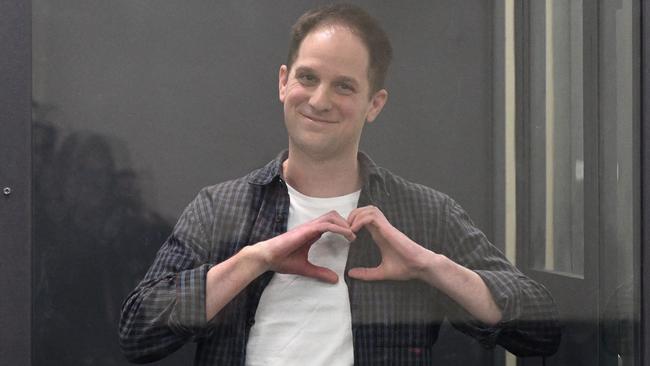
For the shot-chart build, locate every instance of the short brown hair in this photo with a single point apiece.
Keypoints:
(359, 22)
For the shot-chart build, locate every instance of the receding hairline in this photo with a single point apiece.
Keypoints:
(334, 23)
(356, 20)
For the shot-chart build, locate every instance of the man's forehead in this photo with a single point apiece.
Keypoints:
(330, 30)
(330, 33)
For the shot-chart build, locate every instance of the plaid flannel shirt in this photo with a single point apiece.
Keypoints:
(393, 322)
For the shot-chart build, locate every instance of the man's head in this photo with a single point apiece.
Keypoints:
(358, 21)
(327, 92)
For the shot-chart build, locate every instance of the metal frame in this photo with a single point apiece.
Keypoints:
(644, 119)
(15, 182)
(641, 103)
(523, 111)
(498, 129)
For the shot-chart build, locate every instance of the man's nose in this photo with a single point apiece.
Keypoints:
(320, 99)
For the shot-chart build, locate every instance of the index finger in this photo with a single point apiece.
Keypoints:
(346, 231)
(359, 211)
(332, 217)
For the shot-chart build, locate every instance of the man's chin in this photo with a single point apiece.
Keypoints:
(316, 150)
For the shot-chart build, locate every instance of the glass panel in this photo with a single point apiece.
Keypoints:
(139, 104)
(618, 195)
(556, 136)
(97, 220)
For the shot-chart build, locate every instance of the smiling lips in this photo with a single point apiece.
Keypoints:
(315, 119)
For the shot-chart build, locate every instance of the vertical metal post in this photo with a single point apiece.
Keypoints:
(645, 180)
(15, 182)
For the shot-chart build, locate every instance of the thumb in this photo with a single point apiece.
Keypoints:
(366, 274)
(320, 273)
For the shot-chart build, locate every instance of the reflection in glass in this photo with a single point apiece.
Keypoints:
(556, 136)
(91, 233)
(619, 207)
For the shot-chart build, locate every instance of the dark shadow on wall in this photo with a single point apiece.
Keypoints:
(94, 239)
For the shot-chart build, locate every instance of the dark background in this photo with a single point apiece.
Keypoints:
(136, 105)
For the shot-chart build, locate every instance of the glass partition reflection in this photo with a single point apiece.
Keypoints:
(557, 136)
(137, 105)
(92, 231)
(580, 188)
(619, 193)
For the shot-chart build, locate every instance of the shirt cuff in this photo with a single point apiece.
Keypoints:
(504, 291)
(188, 316)
(507, 299)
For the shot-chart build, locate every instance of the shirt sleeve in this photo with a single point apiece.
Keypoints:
(529, 324)
(167, 308)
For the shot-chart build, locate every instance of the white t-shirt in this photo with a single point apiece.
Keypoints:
(301, 320)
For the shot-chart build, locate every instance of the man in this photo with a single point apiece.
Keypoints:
(322, 257)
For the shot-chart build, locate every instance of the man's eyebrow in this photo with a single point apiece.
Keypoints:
(304, 69)
(343, 78)
(347, 79)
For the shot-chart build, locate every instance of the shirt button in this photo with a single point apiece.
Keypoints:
(251, 322)
(279, 218)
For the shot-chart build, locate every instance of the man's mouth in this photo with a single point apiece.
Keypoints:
(316, 119)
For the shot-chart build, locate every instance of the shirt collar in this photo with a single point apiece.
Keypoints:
(370, 172)
(270, 171)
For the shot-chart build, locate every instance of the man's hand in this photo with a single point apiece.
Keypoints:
(288, 252)
(401, 257)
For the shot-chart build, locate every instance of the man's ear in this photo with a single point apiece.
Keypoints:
(283, 76)
(376, 104)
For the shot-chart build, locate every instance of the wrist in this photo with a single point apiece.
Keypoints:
(433, 267)
(253, 257)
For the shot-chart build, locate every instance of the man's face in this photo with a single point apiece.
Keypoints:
(326, 94)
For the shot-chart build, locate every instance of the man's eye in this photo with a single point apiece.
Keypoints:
(307, 78)
(346, 88)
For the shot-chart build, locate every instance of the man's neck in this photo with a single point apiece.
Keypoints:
(322, 177)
